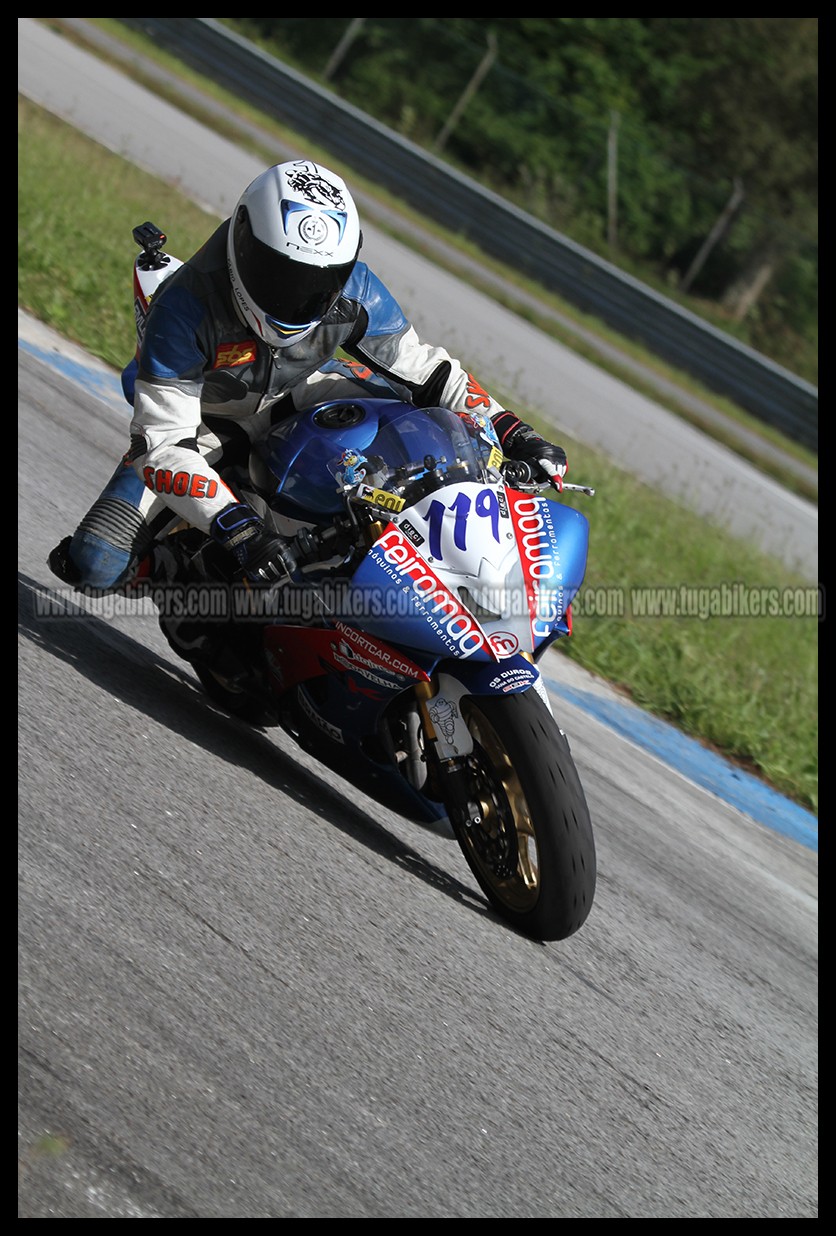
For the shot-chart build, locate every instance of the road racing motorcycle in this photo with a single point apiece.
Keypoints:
(405, 652)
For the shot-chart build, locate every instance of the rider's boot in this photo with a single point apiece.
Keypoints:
(62, 565)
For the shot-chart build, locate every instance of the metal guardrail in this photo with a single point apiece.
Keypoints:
(501, 230)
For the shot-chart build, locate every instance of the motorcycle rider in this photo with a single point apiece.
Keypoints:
(236, 338)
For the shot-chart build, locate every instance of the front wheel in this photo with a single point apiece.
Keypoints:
(521, 817)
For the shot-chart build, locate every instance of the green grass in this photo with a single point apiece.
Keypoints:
(747, 686)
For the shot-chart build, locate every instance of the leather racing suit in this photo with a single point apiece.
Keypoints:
(201, 377)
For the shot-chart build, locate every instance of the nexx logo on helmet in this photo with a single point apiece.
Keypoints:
(314, 230)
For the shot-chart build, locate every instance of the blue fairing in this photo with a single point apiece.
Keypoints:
(310, 455)
(297, 454)
(568, 532)
(345, 712)
(391, 606)
(506, 677)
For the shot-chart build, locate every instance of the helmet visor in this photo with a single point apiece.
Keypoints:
(292, 295)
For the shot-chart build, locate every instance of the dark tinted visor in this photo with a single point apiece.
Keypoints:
(292, 293)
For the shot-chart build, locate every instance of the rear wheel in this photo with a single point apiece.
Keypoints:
(524, 827)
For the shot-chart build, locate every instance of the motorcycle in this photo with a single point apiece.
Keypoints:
(433, 574)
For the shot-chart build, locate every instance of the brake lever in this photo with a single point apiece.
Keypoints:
(519, 473)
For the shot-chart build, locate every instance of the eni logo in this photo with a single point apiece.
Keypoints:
(380, 497)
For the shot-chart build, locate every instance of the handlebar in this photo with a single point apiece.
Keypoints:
(519, 473)
(312, 545)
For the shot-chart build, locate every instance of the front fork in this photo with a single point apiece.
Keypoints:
(442, 754)
(430, 739)
(440, 700)
(439, 744)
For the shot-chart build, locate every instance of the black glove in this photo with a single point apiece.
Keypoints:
(262, 556)
(519, 441)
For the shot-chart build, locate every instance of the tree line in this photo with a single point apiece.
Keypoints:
(684, 150)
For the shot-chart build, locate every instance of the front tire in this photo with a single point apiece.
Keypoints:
(526, 832)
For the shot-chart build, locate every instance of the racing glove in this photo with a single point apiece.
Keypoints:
(262, 556)
(520, 442)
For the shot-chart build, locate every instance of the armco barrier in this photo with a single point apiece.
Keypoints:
(501, 230)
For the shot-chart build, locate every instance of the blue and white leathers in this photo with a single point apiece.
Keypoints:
(201, 369)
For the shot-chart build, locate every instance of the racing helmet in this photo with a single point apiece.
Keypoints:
(293, 241)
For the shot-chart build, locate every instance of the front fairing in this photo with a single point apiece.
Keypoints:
(475, 570)
(465, 566)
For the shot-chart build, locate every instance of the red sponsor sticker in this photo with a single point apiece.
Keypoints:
(378, 655)
(228, 355)
(450, 618)
(535, 535)
(182, 484)
(477, 396)
(361, 371)
(504, 643)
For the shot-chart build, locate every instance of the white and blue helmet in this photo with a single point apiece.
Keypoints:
(294, 237)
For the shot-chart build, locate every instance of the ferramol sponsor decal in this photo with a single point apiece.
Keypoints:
(457, 627)
(540, 558)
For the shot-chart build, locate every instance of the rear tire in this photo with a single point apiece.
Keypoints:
(526, 834)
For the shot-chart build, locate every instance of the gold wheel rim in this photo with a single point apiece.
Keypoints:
(503, 805)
